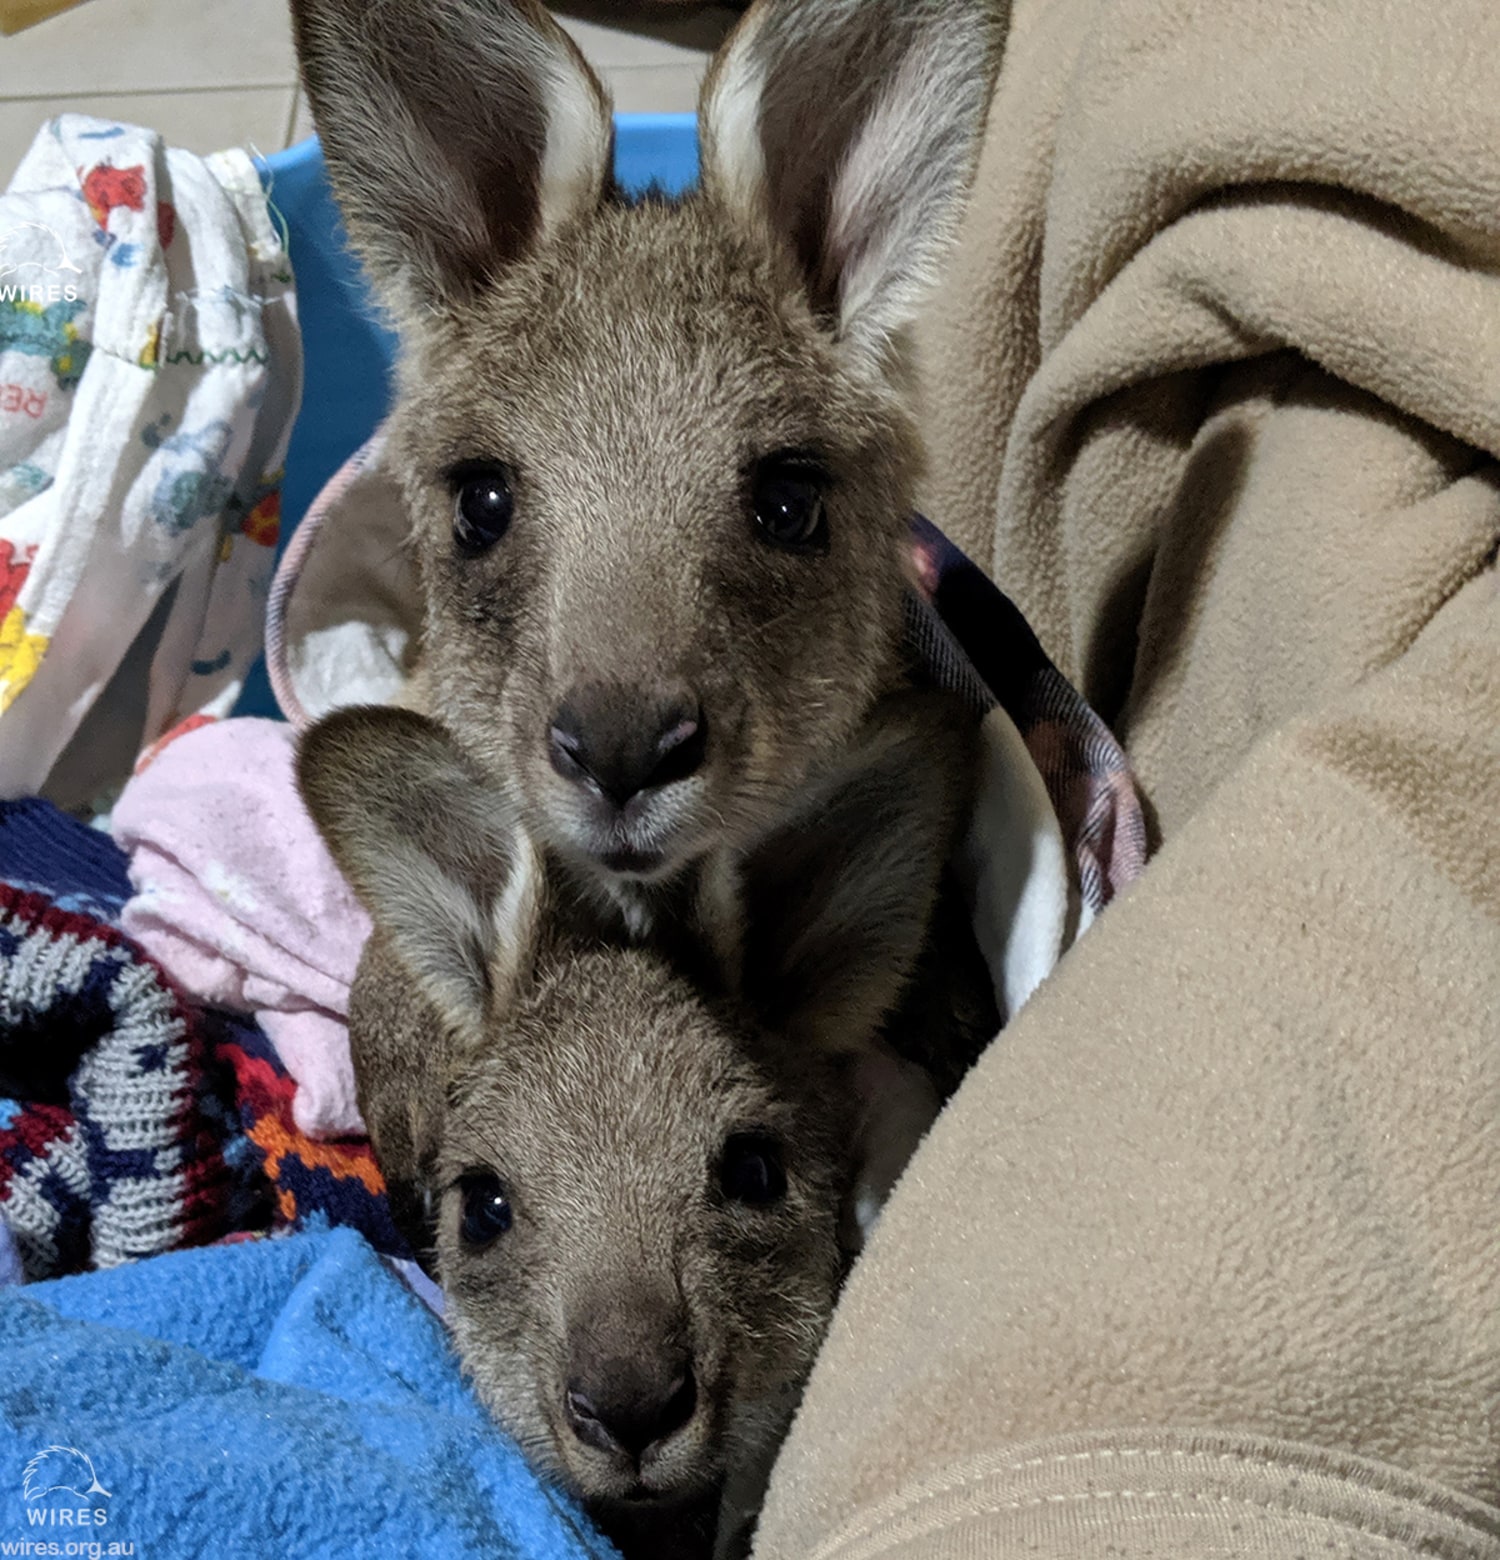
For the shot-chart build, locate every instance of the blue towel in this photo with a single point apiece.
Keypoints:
(283, 1398)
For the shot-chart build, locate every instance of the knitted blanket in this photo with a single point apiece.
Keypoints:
(116, 1152)
(313, 1183)
(133, 1121)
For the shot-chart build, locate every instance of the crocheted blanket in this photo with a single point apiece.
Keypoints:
(133, 1121)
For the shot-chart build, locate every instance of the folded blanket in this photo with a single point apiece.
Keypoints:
(283, 1398)
(149, 375)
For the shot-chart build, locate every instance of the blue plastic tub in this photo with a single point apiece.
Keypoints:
(347, 352)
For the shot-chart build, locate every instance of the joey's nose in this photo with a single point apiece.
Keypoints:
(621, 741)
(630, 1405)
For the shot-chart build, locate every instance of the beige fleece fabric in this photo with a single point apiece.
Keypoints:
(1235, 1167)
(1173, 1496)
(1226, 255)
(1215, 386)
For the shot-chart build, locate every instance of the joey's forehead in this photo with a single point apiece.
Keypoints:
(658, 271)
(594, 1101)
(587, 1149)
(593, 345)
(608, 1052)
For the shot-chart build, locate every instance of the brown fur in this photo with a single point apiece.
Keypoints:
(603, 1101)
(641, 564)
(496, 1024)
(630, 365)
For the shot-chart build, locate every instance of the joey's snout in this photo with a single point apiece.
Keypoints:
(621, 741)
(632, 1402)
(622, 748)
(625, 1407)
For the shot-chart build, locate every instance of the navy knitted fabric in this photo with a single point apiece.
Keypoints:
(49, 853)
(132, 1120)
(111, 1138)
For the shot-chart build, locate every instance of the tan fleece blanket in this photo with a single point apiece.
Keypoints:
(1227, 256)
(1203, 1258)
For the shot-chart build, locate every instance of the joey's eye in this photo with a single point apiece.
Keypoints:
(486, 1212)
(786, 494)
(750, 1170)
(482, 506)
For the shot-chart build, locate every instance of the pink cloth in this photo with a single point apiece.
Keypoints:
(237, 897)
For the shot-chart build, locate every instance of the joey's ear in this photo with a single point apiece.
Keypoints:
(851, 127)
(457, 134)
(429, 848)
(839, 899)
(401, 1067)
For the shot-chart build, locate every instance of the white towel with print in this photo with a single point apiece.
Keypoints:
(150, 369)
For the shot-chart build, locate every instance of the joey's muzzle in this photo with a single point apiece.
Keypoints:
(625, 1407)
(615, 742)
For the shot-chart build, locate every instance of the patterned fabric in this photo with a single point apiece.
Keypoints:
(149, 373)
(44, 1180)
(314, 1182)
(974, 641)
(131, 1121)
(44, 1188)
(139, 1168)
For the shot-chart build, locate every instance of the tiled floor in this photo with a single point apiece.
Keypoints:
(213, 73)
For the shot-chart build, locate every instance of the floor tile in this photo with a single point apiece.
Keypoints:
(199, 121)
(151, 46)
(654, 89)
(656, 35)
